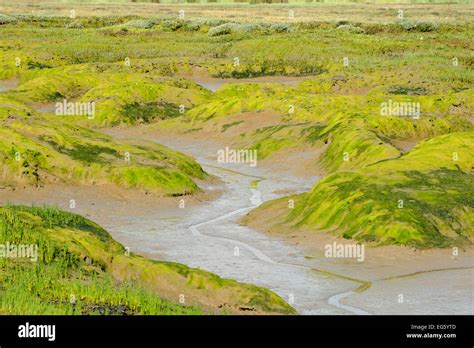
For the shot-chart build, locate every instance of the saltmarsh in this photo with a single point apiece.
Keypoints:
(82, 270)
(140, 70)
(39, 150)
(422, 199)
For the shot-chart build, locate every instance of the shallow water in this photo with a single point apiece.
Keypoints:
(213, 84)
(207, 237)
(6, 85)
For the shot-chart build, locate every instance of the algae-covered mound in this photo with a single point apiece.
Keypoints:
(120, 94)
(54, 262)
(422, 199)
(40, 150)
(355, 132)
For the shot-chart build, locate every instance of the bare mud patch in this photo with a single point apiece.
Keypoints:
(299, 161)
(6, 85)
(404, 145)
(213, 84)
(307, 246)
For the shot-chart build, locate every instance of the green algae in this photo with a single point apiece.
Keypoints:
(338, 107)
(422, 199)
(39, 150)
(82, 270)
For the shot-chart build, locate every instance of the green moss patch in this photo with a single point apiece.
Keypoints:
(422, 199)
(40, 150)
(80, 269)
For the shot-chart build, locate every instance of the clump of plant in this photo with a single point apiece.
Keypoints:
(407, 90)
(222, 29)
(146, 113)
(23, 16)
(314, 25)
(351, 28)
(4, 19)
(75, 25)
(422, 26)
(342, 22)
(138, 24)
(195, 25)
(103, 21)
(281, 28)
(37, 65)
(251, 27)
(171, 24)
(229, 28)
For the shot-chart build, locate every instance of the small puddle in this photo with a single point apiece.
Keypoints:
(213, 84)
(6, 85)
(45, 108)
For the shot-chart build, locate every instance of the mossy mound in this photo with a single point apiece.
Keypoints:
(40, 150)
(119, 94)
(80, 269)
(422, 199)
(352, 127)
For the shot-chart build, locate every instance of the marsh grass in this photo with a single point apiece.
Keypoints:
(147, 113)
(338, 106)
(62, 282)
(51, 148)
(82, 270)
(436, 194)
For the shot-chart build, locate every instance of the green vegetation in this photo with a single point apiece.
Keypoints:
(80, 269)
(261, 28)
(419, 26)
(422, 199)
(4, 19)
(139, 70)
(39, 149)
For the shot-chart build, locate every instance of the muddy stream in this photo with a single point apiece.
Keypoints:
(208, 236)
